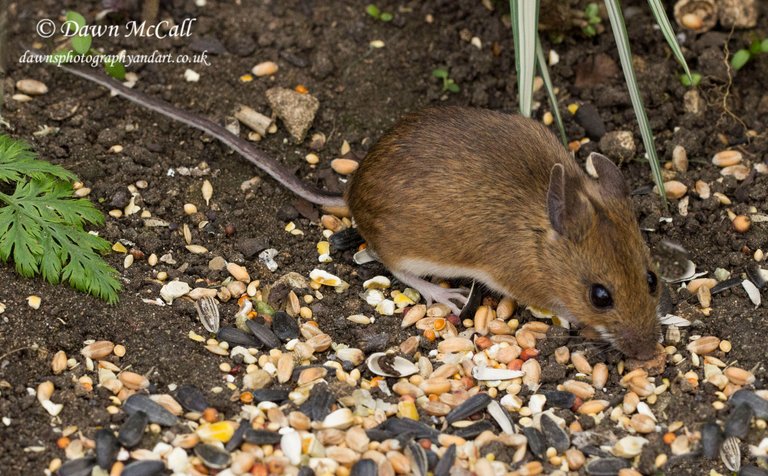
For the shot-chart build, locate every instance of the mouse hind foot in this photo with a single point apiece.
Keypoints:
(432, 292)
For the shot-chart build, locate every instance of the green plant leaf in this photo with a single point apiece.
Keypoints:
(81, 44)
(42, 225)
(542, 63)
(740, 58)
(452, 86)
(592, 11)
(693, 80)
(386, 16)
(525, 26)
(589, 30)
(764, 45)
(373, 11)
(75, 17)
(115, 69)
(440, 73)
(625, 55)
(17, 162)
(669, 34)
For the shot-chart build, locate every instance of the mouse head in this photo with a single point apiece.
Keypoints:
(608, 281)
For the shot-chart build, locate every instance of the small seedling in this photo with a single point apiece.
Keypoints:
(691, 82)
(374, 11)
(42, 224)
(80, 44)
(744, 55)
(592, 19)
(448, 83)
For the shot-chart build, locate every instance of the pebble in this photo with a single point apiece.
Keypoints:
(618, 144)
(174, 290)
(296, 110)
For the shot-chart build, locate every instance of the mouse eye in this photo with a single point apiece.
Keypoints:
(600, 297)
(651, 276)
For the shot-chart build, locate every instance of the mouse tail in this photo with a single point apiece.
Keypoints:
(270, 166)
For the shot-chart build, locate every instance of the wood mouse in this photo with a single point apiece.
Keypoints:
(458, 192)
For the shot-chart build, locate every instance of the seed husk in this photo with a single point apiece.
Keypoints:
(155, 412)
(739, 376)
(107, 448)
(704, 345)
(132, 430)
(98, 350)
(555, 436)
(730, 453)
(264, 334)
(59, 362)
(471, 406)
(581, 363)
(344, 166)
(711, 439)
(581, 389)
(213, 456)
(191, 398)
(593, 407)
(738, 421)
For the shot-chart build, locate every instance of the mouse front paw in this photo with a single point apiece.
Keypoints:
(433, 293)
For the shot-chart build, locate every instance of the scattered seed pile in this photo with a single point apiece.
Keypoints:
(505, 391)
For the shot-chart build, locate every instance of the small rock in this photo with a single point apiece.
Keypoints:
(217, 263)
(618, 144)
(692, 102)
(296, 110)
(173, 290)
(249, 247)
(739, 14)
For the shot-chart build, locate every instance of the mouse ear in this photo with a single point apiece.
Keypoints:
(570, 214)
(611, 180)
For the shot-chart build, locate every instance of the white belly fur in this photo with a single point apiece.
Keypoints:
(428, 268)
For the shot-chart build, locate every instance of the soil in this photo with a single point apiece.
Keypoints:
(362, 91)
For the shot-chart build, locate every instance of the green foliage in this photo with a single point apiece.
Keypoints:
(374, 12)
(745, 55)
(592, 19)
(524, 16)
(80, 44)
(448, 84)
(690, 80)
(42, 225)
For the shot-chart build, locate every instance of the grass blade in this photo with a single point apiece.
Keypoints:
(542, 62)
(625, 55)
(525, 26)
(669, 34)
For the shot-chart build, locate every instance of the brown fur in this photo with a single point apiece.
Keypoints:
(469, 188)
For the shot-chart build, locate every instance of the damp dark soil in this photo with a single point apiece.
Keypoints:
(325, 46)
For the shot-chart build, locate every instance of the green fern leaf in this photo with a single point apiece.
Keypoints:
(42, 226)
(17, 160)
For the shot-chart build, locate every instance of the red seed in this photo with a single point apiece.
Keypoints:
(529, 353)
